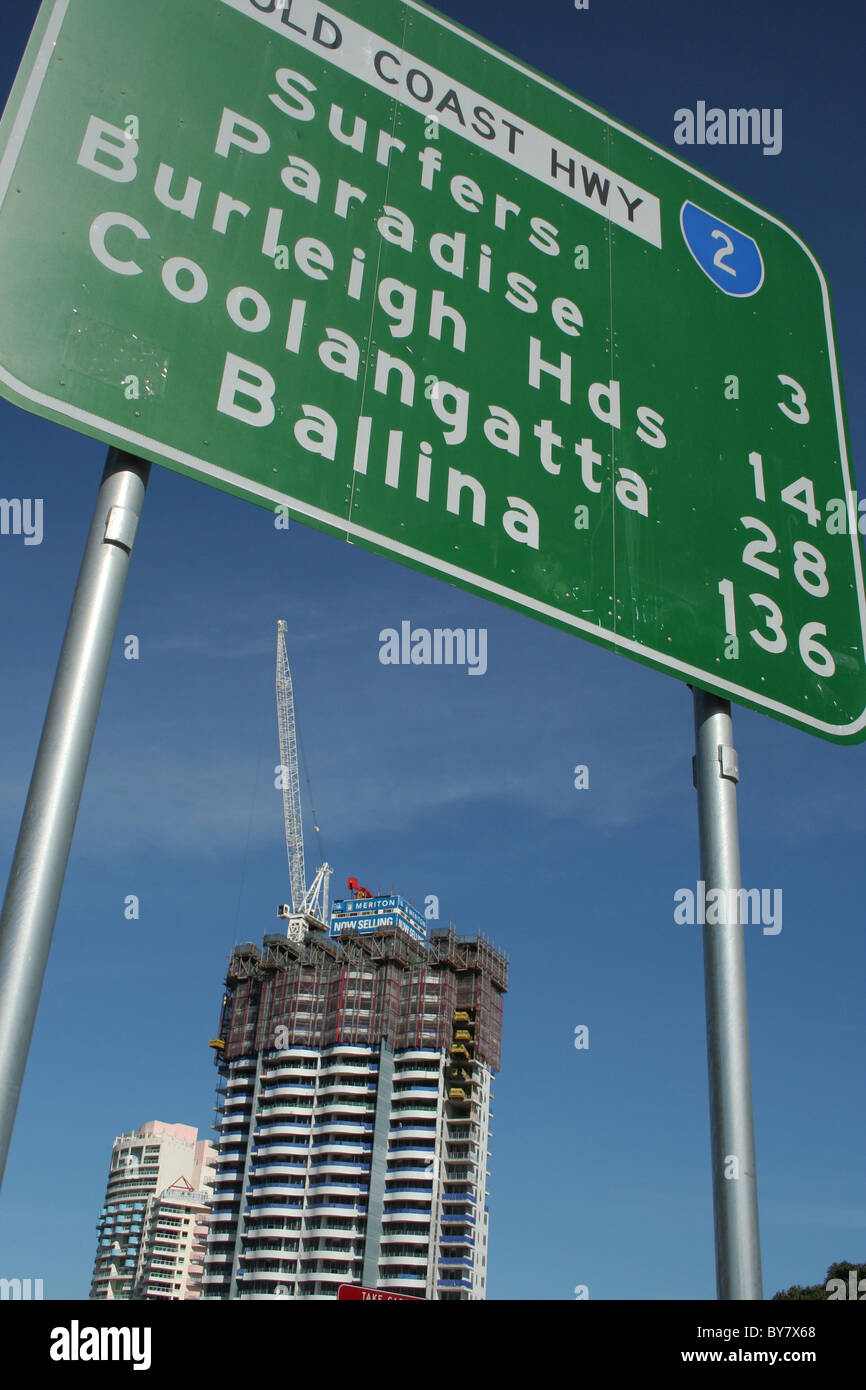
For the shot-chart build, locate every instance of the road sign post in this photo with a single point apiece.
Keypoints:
(42, 851)
(732, 1136)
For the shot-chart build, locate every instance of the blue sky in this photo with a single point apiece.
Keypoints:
(433, 782)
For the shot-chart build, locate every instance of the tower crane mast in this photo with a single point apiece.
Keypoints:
(290, 779)
(309, 906)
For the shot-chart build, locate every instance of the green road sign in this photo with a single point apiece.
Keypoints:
(355, 262)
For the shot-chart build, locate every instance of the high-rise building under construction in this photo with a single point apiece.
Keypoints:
(354, 1109)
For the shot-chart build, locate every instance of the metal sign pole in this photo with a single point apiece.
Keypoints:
(732, 1136)
(39, 865)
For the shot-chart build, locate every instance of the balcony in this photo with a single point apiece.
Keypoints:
(275, 1232)
(350, 1105)
(226, 1166)
(354, 1068)
(290, 1162)
(287, 1066)
(341, 1227)
(287, 1088)
(339, 1165)
(331, 1236)
(345, 1049)
(357, 1145)
(272, 1206)
(272, 1110)
(231, 1141)
(259, 1184)
(342, 1126)
(333, 1252)
(258, 1262)
(262, 1173)
(327, 1206)
(295, 1131)
(336, 1176)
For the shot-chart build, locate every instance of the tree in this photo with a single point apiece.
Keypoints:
(821, 1291)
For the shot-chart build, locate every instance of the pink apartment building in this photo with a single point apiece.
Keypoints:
(152, 1230)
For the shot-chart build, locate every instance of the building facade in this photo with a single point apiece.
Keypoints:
(354, 1116)
(173, 1238)
(152, 1228)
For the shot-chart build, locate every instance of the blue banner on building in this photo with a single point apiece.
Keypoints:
(377, 914)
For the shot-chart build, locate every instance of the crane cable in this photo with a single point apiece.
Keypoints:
(322, 859)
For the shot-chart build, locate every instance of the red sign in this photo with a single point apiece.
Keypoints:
(357, 1291)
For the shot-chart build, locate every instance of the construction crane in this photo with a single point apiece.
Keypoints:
(309, 906)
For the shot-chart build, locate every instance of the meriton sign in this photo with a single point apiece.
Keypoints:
(355, 263)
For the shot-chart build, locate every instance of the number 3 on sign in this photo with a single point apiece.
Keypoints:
(813, 653)
(797, 410)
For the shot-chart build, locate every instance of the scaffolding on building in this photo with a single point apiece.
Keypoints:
(358, 989)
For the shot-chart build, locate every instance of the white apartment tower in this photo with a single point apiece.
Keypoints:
(152, 1229)
(354, 1112)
